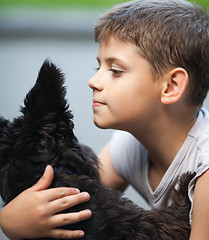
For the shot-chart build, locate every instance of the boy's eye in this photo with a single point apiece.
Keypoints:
(116, 72)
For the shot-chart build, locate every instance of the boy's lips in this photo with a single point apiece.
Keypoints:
(97, 103)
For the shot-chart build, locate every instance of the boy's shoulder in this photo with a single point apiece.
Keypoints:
(200, 131)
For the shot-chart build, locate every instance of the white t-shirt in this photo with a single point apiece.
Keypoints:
(130, 160)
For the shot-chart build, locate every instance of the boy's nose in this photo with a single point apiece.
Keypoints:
(94, 83)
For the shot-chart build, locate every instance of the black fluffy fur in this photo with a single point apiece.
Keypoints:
(44, 135)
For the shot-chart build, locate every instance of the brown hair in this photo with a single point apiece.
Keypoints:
(168, 34)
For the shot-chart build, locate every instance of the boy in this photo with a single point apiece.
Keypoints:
(152, 79)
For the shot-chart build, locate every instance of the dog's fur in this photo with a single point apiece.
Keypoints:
(44, 135)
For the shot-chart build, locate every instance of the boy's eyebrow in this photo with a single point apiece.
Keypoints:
(111, 60)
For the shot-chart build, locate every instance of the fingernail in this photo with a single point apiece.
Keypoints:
(88, 213)
(77, 190)
(81, 234)
(86, 195)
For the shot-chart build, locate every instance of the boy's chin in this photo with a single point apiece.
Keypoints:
(102, 125)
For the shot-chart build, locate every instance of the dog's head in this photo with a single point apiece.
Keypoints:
(42, 135)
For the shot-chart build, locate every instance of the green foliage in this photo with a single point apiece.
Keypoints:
(203, 3)
(60, 3)
(75, 3)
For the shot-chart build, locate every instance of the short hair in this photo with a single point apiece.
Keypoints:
(168, 34)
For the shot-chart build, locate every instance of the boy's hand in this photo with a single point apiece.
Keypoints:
(32, 214)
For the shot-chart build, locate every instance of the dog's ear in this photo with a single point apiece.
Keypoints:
(38, 137)
(47, 96)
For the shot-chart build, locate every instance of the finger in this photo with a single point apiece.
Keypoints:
(45, 181)
(65, 234)
(69, 218)
(67, 202)
(53, 194)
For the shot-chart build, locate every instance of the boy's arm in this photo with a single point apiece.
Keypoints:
(32, 214)
(200, 217)
(108, 174)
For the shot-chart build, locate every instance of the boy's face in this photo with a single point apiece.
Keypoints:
(124, 92)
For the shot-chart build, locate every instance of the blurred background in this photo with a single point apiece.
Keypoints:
(62, 31)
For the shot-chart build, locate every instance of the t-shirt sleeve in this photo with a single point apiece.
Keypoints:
(201, 167)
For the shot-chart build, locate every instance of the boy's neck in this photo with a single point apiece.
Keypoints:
(164, 137)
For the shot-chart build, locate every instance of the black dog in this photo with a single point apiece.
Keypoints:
(44, 135)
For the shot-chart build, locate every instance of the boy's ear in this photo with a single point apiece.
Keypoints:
(174, 86)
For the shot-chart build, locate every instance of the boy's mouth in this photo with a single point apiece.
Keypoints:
(97, 103)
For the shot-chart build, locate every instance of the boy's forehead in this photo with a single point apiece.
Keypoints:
(116, 43)
(112, 48)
